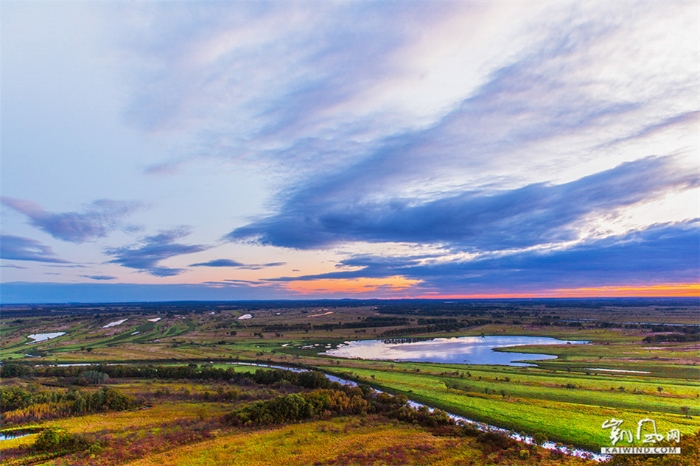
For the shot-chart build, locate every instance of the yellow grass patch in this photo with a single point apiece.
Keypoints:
(138, 419)
(16, 442)
(300, 444)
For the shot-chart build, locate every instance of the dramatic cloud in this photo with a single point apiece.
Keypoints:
(472, 221)
(423, 147)
(660, 254)
(232, 263)
(26, 249)
(96, 221)
(546, 146)
(146, 255)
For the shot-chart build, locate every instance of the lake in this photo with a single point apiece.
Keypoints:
(458, 350)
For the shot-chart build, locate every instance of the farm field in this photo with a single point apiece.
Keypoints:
(626, 371)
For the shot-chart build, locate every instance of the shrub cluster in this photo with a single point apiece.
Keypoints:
(19, 405)
(336, 400)
(58, 440)
(671, 338)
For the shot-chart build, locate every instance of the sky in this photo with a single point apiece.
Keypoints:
(181, 150)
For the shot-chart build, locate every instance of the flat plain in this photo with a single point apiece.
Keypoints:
(640, 362)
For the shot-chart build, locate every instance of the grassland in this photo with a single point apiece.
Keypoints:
(567, 399)
(540, 403)
(174, 424)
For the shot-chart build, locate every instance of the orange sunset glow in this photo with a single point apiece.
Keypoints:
(676, 290)
(354, 285)
(671, 290)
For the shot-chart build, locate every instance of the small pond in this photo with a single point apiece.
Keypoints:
(115, 323)
(44, 336)
(10, 434)
(459, 350)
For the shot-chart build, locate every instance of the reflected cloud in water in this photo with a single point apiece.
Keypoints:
(459, 350)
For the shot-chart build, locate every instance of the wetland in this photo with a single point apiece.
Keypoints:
(184, 379)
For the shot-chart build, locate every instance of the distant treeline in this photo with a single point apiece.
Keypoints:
(369, 322)
(451, 325)
(671, 337)
(441, 310)
(687, 329)
(557, 321)
(306, 379)
(423, 321)
(435, 307)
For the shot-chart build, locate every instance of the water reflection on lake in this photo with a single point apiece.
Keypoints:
(460, 350)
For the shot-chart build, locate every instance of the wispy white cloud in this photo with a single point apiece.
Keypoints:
(305, 88)
(316, 89)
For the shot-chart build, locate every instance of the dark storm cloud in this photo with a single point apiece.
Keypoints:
(26, 249)
(146, 255)
(97, 220)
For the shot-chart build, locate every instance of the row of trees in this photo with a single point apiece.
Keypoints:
(191, 371)
(102, 373)
(671, 338)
